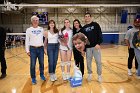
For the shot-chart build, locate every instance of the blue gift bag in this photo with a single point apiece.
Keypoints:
(76, 80)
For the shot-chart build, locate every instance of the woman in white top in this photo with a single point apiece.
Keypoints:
(52, 46)
(65, 38)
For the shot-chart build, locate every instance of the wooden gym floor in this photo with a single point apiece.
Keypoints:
(115, 78)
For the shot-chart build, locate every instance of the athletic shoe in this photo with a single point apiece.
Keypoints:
(89, 78)
(3, 76)
(54, 76)
(100, 78)
(64, 76)
(138, 77)
(33, 81)
(67, 76)
(43, 78)
(129, 72)
(136, 71)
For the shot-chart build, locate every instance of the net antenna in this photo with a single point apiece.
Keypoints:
(9, 6)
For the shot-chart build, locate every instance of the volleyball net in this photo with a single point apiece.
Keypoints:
(18, 39)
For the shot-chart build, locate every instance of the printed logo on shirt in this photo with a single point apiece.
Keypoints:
(88, 29)
(36, 32)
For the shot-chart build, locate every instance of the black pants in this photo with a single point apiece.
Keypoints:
(131, 57)
(79, 60)
(3, 61)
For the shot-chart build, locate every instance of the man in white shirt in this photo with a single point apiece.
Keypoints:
(128, 40)
(34, 48)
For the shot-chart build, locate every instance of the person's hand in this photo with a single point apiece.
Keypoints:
(129, 47)
(28, 53)
(45, 51)
(97, 46)
(46, 34)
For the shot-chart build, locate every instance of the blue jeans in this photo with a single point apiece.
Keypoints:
(52, 51)
(34, 54)
(137, 54)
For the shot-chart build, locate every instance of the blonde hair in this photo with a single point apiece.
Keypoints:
(82, 37)
(34, 17)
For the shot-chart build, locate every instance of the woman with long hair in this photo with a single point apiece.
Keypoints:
(52, 46)
(65, 38)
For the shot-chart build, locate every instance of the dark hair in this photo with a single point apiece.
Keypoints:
(64, 25)
(87, 13)
(55, 29)
(74, 29)
(129, 27)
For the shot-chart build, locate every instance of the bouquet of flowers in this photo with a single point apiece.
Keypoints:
(64, 39)
(138, 45)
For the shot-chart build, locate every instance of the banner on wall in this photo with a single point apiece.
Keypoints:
(43, 17)
(137, 15)
(124, 14)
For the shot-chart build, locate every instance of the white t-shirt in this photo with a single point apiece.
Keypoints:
(34, 37)
(70, 34)
(129, 35)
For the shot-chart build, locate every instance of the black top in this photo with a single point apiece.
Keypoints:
(93, 33)
(2, 37)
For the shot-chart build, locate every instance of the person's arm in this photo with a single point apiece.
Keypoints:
(45, 45)
(2, 36)
(27, 42)
(99, 36)
(127, 36)
(45, 42)
(134, 40)
(127, 43)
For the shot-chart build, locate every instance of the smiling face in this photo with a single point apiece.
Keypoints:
(87, 18)
(67, 23)
(76, 25)
(35, 21)
(51, 24)
(79, 44)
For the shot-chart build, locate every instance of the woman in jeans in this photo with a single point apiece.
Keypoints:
(52, 46)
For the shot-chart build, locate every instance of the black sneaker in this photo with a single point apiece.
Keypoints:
(3, 76)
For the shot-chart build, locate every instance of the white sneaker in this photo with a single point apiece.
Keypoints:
(138, 77)
(64, 76)
(100, 78)
(54, 77)
(89, 78)
(129, 72)
(68, 76)
(136, 71)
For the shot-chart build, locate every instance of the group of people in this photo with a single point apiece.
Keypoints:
(79, 40)
(132, 39)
